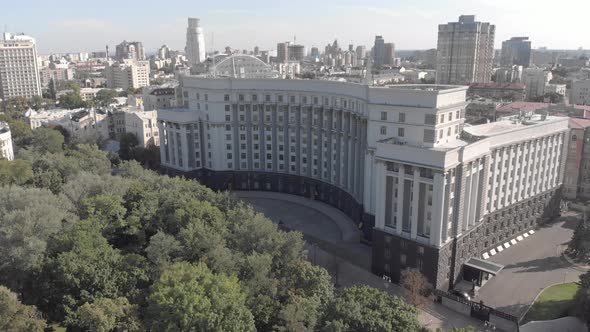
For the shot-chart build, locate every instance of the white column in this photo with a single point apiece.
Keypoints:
(438, 203)
(184, 149)
(400, 199)
(380, 195)
(475, 199)
(162, 144)
(415, 203)
(467, 199)
(368, 189)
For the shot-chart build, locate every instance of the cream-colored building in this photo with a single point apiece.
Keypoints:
(581, 92)
(432, 193)
(535, 80)
(48, 74)
(144, 126)
(6, 149)
(465, 51)
(89, 93)
(19, 71)
(128, 74)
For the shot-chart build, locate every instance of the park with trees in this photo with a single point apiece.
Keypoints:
(90, 242)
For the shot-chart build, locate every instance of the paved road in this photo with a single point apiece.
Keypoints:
(347, 260)
(530, 266)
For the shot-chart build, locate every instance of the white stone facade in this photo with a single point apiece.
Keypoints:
(6, 149)
(318, 129)
(128, 74)
(401, 152)
(19, 71)
(195, 42)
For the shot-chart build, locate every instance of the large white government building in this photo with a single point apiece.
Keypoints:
(430, 192)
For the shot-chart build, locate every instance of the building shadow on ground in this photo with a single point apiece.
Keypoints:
(539, 265)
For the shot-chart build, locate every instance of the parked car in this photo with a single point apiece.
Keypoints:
(461, 294)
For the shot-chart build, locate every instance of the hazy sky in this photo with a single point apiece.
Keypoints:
(66, 25)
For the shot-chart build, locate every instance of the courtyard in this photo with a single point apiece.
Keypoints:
(531, 266)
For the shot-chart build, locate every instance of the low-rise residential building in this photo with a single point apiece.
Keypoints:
(136, 121)
(144, 126)
(128, 74)
(48, 74)
(498, 91)
(559, 89)
(89, 93)
(43, 118)
(535, 80)
(6, 149)
(576, 183)
(84, 124)
(581, 92)
(79, 123)
(159, 97)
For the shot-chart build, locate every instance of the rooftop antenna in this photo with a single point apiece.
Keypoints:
(212, 42)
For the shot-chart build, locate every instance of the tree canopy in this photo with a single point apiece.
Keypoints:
(102, 246)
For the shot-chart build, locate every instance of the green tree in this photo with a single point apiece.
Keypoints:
(106, 315)
(162, 250)
(105, 97)
(83, 268)
(127, 143)
(52, 89)
(30, 218)
(21, 132)
(17, 317)
(417, 288)
(71, 99)
(15, 172)
(191, 298)
(362, 308)
(47, 140)
(579, 246)
(582, 299)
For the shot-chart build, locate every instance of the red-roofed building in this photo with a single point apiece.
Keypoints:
(576, 182)
(498, 91)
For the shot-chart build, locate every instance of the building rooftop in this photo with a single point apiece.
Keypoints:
(4, 128)
(493, 85)
(508, 125)
(577, 123)
(423, 87)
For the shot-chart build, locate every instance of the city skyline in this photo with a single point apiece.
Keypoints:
(69, 29)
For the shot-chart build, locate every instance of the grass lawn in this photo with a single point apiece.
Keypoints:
(58, 328)
(553, 303)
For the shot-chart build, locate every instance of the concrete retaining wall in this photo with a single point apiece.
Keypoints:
(457, 306)
(503, 324)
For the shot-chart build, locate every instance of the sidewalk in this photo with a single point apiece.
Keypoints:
(346, 274)
(348, 260)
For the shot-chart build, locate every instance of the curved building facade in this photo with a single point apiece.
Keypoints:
(395, 159)
(6, 150)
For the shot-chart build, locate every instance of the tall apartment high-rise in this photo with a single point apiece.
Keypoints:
(389, 54)
(361, 52)
(516, 51)
(19, 71)
(296, 52)
(378, 51)
(282, 52)
(195, 42)
(129, 50)
(465, 51)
